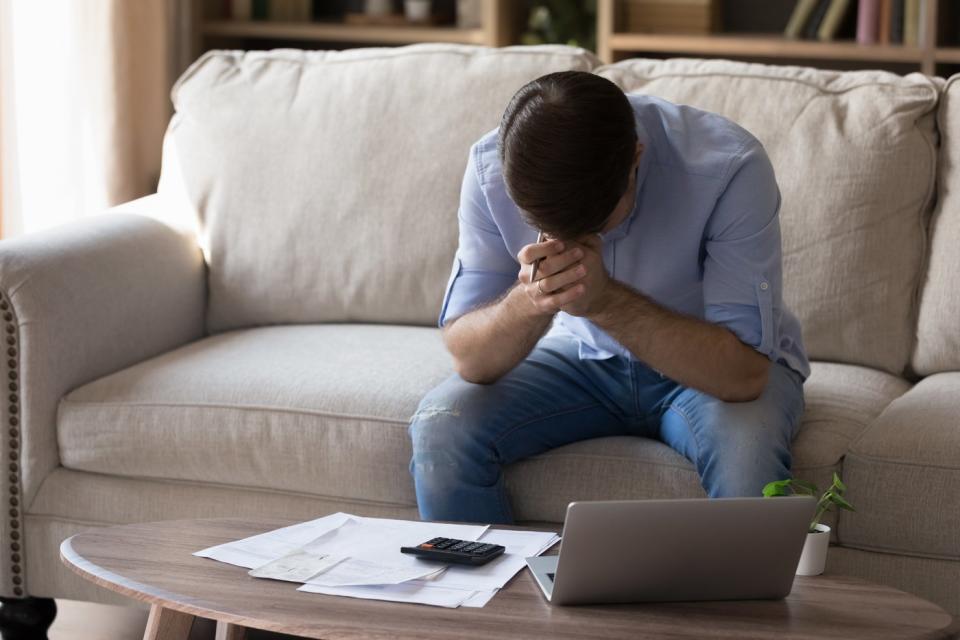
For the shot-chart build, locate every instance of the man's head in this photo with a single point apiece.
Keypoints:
(568, 145)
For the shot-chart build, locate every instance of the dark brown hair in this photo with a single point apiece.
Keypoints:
(567, 143)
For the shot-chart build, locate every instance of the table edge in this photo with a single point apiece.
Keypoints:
(132, 589)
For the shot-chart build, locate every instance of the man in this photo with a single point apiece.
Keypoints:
(659, 282)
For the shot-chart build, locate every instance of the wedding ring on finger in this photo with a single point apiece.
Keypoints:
(540, 287)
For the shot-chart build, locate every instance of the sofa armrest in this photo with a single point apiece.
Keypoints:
(78, 302)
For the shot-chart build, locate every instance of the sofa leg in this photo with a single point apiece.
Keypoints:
(26, 618)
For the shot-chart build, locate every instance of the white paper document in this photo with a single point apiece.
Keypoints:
(370, 552)
(258, 550)
(298, 566)
(360, 557)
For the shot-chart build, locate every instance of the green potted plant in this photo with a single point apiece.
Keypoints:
(571, 22)
(814, 556)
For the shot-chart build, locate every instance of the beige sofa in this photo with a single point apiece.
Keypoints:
(255, 341)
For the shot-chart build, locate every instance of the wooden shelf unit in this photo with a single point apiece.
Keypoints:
(332, 32)
(499, 27)
(613, 45)
(948, 54)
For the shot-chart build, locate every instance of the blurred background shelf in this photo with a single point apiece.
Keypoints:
(948, 54)
(764, 46)
(336, 32)
(748, 30)
(500, 23)
(753, 30)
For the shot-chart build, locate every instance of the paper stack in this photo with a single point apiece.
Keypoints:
(358, 557)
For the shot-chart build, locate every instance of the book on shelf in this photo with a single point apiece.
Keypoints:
(816, 18)
(833, 19)
(883, 26)
(893, 22)
(911, 23)
(896, 22)
(868, 21)
(798, 19)
(922, 34)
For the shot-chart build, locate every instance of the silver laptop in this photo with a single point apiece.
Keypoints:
(675, 550)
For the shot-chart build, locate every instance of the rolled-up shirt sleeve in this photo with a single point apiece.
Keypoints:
(742, 269)
(483, 269)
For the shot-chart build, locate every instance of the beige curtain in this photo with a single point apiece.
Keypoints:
(85, 91)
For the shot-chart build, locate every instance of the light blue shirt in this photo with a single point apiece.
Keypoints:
(703, 238)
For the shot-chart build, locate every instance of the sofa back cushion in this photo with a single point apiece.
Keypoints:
(326, 183)
(938, 325)
(854, 155)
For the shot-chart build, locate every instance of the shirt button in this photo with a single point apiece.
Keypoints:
(764, 286)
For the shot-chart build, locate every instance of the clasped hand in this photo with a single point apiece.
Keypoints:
(571, 277)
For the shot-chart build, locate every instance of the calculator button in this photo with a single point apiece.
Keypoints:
(434, 541)
(471, 547)
(459, 546)
(426, 545)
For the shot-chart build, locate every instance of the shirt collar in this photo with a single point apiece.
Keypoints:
(643, 168)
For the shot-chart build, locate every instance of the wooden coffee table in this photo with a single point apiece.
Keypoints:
(153, 563)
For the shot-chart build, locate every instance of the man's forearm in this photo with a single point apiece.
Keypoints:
(490, 341)
(693, 352)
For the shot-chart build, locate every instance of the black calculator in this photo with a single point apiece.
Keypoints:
(456, 551)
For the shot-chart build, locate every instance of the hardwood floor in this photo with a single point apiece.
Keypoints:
(89, 621)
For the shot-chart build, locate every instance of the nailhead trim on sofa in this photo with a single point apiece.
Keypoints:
(13, 420)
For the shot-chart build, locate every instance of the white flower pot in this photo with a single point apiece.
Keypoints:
(814, 556)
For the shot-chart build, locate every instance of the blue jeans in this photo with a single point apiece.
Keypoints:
(463, 433)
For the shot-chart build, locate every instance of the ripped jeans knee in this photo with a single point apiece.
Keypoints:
(434, 411)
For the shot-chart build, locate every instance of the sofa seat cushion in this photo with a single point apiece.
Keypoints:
(323, 410)
(903, 475)
(319, 409)
(855, 158)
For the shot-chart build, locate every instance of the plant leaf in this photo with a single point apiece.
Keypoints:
(805, 488)
(841, 502)
(776, 488)
(836, 481)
